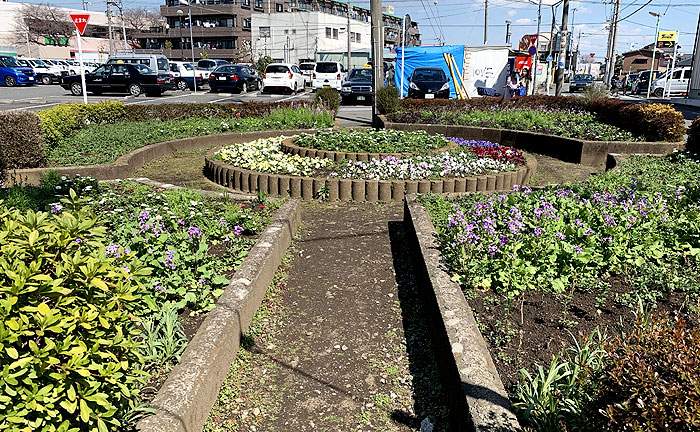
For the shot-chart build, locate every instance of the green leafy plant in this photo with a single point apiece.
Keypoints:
(327, 98)
(261, 64)
(163, 336)
(21, 141)
(70, 352)
(60, 121)
(373, 141)
(388, 100)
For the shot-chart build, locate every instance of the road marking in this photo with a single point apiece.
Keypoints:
(230, 96)
(163, 98)
(38, 106)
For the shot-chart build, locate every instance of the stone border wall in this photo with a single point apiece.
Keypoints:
(247, 181)
(127, 164)
(186, 398)
(288, 146)
(477, 400)
(584, 152)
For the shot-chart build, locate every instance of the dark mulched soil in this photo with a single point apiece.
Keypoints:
(341, 345)
(550, 323)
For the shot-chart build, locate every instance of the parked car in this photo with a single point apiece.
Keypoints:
(156, 62)
(45, 73)
(429, 83)
(676, 81)
(328, 75)
(307, 69)
(358, 86)
(12, 74)
(232, 77)
(581, 82)
(210, 64)
(643, 81)
(119, 78)
(185, 75)
(283, 76)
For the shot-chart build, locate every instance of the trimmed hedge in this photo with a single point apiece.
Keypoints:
(656, 122)
(21, 141)
(388, 100)
(61, 120)
(328, 98)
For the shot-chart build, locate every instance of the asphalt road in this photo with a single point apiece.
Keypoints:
(40, 97)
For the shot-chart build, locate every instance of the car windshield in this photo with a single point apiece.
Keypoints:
(229, 69)
(22, 62)
(429, 75)
(188, 66)
(327, 67)
(583, 77)
(143, 69)
(306, 66)
(38, 62)
(277, 69)
(360, 75)
(10, 61)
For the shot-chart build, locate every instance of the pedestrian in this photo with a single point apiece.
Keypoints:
(513, 83)
(614, 85)
(525, 80)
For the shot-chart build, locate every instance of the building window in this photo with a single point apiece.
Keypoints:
(328, 32)
(294, 31)
(358, 38)
(640, 61)
(292, 3)
(246, 3)
(286, 31)
(264, 31)
(335, 33)
(279, 7)
(259, 4)
(246, 23)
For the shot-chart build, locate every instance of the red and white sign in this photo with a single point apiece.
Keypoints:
(527, 41)
(80, 21)
(523, 62)
(592, 55)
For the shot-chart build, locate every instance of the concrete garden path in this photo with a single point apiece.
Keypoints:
(340, 344)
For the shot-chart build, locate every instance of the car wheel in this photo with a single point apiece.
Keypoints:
(46, 80)
(244, 88)
(182, 85)
(294, 90)
(10, 81)
(659, 92)
(76, 89)
(213, 89)
(135, 89)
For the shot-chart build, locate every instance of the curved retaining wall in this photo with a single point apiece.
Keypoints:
(248, 181)
(584, 152)
(288, 146)
(126, 165)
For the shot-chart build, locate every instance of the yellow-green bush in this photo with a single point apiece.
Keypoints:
(21, 141)
(61, 120)
(69, 354)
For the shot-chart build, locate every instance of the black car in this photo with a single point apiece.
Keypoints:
(643, 82)
(237, 78)
(358, 86)
(429, 83)
(119, 78)
(581, 82)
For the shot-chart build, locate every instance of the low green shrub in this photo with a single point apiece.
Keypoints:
(327, 98)
(104, 143)
(21, 141)
(373, 141)
(60, 121)
(388, 100)
(70, 354)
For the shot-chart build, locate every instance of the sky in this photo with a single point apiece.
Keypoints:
(462, 21)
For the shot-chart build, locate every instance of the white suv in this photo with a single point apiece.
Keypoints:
(328, 75)
(283, 75)
(45, 73)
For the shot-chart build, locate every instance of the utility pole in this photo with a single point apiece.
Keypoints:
(508, 32)
(561, 67)
(537, 46)
(375, 7)
(84, 4)
(550, 65)
(348, 29)
(119, 5)
(573, 33)
(109, 29)
(613, 48)
(486, 22)
(653, 51)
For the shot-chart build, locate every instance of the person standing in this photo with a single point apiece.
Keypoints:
(513, 83)
(525, 80)
(614, 85)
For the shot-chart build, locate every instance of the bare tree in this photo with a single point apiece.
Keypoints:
(42, 24)
(142, 19)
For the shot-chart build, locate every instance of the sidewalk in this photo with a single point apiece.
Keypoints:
(347, 349)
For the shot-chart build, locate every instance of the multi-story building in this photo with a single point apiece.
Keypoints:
(225, 29)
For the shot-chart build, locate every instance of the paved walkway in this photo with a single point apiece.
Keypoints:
(355, 116)
(347, 348)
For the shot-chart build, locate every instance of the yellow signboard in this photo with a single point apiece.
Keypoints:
(667, 36)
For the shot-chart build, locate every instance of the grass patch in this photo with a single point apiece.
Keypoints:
(180, 168)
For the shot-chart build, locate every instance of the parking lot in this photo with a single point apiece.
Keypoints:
(41, 96)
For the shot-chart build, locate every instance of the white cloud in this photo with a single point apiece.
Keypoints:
(511, 13)
(523, 21)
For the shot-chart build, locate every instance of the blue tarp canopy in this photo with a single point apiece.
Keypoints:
(426, 57)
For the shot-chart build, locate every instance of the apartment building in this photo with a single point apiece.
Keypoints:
(225, 29)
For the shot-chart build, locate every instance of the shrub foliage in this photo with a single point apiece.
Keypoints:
(388, 100)
(327, 98)
(21, 141)
(68, 350)
(61, 120)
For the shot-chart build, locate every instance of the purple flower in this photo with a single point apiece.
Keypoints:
(112, 249)
(560, 236)
(144, 216)
(56, 208)
(538, 232)
(201, 281)
(78, 240)
(578, 249)
(169, 260)
(238, 230)
(223, 222)
(194, 232)
(158, 287)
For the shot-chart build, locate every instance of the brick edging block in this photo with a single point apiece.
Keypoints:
(186, 398)
(127, 164)
(477, 399)
(248, 181)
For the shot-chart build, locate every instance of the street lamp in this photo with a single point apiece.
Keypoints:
(653, 51)
(182, 41)
(508, 33)
(189, 15)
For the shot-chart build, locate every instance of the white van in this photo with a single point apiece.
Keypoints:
(185, 75)
(328, 75)
(46, 73)
(677, 82)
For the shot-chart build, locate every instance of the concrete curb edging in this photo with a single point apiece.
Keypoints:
(287, 146)
(186, 398)
(475, 393)
(127, 164)
(584, 152)
(247, 181)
